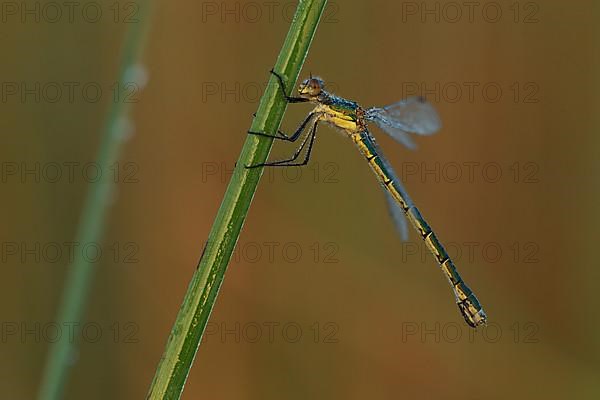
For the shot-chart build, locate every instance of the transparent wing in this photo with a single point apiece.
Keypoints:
(411, 115)
(396, 213)
(397, 216)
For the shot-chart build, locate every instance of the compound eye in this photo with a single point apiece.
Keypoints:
(311, 87)
(315, 86)
(304, 86)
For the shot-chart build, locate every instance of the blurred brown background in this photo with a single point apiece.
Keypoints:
(321, 300)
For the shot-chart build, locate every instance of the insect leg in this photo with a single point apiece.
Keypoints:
(290, 162)
(283, 136)
(289, 99)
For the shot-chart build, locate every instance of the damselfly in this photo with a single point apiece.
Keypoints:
(411, 115)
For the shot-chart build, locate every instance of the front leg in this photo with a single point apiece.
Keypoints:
(289, 99)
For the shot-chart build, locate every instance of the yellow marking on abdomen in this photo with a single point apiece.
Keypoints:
(468, 304)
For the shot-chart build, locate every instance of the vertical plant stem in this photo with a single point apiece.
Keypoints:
(201, 295)
(95, 210)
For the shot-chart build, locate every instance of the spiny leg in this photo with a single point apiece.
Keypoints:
(313, 136)
(289, 162)
(310, 145)
(294, 136)
(285, 137)
(275, 163)
(289, 99)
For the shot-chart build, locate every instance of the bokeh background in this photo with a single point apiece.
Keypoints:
(321, 300)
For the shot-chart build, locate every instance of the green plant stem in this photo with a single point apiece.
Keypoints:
(201, 295)
(93, 216)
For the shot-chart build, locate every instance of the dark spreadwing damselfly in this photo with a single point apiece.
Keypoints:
(411, 115)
